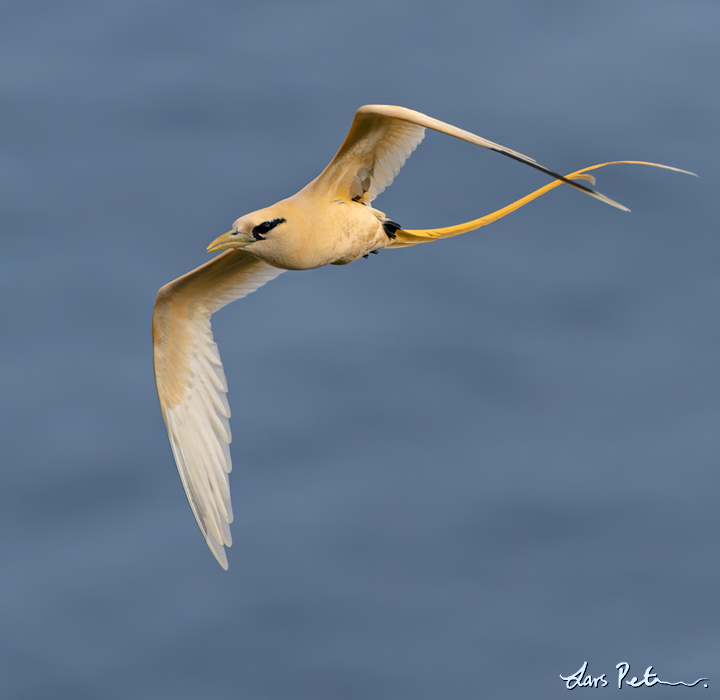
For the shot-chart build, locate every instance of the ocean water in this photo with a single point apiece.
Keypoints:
(461, 469)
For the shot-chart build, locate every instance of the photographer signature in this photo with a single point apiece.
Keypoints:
(582, 679)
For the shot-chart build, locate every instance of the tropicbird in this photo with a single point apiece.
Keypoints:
(330, 221)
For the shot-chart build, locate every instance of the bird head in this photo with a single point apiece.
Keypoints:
(251, 228)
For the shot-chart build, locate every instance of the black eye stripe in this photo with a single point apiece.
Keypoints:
(264, 227)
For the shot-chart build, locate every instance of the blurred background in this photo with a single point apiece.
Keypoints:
(461, 469)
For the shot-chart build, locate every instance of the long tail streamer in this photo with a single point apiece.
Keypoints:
(407, 237)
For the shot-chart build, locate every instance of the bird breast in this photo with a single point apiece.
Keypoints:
(319, 232)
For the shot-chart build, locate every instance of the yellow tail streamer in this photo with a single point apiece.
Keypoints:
(412, 237)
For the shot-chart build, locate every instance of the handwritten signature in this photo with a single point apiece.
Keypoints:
(582, 679)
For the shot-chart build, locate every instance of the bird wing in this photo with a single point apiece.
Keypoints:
(372, 154)
(191, 383)
(381, 139)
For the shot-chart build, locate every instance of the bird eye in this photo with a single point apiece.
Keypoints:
(264, 227)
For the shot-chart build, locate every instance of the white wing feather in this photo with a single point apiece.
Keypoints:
(192, 387)
(379, 142)
(399, 140)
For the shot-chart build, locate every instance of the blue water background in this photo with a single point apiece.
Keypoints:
(461, 469)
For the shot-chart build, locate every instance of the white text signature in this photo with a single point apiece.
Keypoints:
(582, 679)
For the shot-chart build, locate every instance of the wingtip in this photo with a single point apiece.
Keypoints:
(218, 550)
(607, 200)
(615, 204)
(221, 557)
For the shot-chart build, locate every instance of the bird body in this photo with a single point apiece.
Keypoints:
(330, 221)
(344, 232)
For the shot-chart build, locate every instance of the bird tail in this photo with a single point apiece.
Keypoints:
(408, 237)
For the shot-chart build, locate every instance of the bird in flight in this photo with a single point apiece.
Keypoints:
(330, 221)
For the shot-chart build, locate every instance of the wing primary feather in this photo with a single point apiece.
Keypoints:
(215, 546)
(199, 491)
(369, 147)
(577, 185)
(192, 387)
(198, 473)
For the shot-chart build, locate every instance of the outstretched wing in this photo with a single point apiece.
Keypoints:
(191, 383)
(381, 139)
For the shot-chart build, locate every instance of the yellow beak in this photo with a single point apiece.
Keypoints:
(231, 239)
